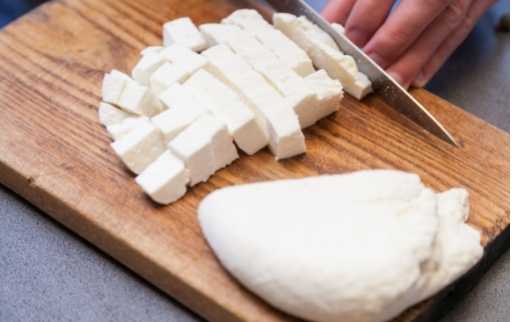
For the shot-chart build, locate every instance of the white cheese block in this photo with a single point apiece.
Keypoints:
(146, 66)
(228, 106)
(274, 40)
(324, 53)
(183, 109)
(182, 31)
(168, 74)
(139, 99)
(113, 85)
(286, 137)
(329, 93)
(195, 148)
(165, 180)
(182, 55)
(140, 147)
(263, 99)
(291, 247)
(118, 130)
(224, 150)
(151, 50)
(109, 114)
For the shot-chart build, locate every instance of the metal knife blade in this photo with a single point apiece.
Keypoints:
(394, 94)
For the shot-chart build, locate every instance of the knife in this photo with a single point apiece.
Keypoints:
(392, 92)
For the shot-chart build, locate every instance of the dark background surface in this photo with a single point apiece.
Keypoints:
(49, 274)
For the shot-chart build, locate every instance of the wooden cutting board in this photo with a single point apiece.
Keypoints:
(54, 153)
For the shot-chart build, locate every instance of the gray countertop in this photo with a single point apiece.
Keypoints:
(50, 274)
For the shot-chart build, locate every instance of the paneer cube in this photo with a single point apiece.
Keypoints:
(113, 85)
(146, 66)
(139, 99)
(118, 130)
(109, 114)
(182, 31)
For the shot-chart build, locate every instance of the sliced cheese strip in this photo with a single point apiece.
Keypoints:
(183, 109)
(195, 148)
(286, 137)
(109, 114)
(118, 130)
(165, 180)
(113, 85)
(329, 93)
(263, 99)
(288, 53)
(324, 53)
(229, 107)
(140, 147)
(182, 31)
(139, 99)
(146, 66)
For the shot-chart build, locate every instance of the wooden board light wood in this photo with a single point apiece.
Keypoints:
(54, 153)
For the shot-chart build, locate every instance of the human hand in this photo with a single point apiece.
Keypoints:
(415, 39)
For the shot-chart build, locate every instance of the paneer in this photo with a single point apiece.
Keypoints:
(182, 31)
(140, 147)
(224, 150)
(118, 130)
(167, 75)
(264, 100)
(183, 109)
(151, 50)
(274, 40)
(329, 94)
(228, 106)
(195, 148)
(113, 85)
(338, 28)
(146, 66)
(109, 114)
(165, 180)
(139, 99)
(324, 53)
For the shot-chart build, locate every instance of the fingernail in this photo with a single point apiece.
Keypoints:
(376, 58)
(420, 81)
(357, 36)
(398, 78)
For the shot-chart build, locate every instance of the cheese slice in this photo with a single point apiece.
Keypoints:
(288, 53)
(195, 148)
(263, 99)
(113, 85)
(329, 93)
(324, 53)
(183, 109)
(140, 147)
(146, 66)
(119, 130)
(228, 106)
(182, 31)
(109, 114)
(165, 180)
(139, 99)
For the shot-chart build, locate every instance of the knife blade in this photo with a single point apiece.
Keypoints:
(392, 92)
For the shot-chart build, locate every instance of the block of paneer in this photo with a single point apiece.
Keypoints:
(140, 147)
(183, 108)
(139, 99)
(274, 40)
(182, 31)
(228, 106)
(167, 75)
(109, 114)
(286, 137)
(151, 50)
(146, 66)
(224, 150)
(329, 94)
(195, 148)
(165, 180)
(263, 99)
(324, 52)
(118, 130)
(113, 85)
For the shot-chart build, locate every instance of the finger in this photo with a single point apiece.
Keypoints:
(338, 10)
(365, 18)
(402, 28)
(412, 61)
(476, 10)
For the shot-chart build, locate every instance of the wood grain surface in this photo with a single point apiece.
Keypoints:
(54, 153)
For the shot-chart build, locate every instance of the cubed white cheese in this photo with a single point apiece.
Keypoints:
(183, 109)
(140, 147)
(286, 50)
(168, 74)
(182, 55)
(182, 31)
(224, 150)
(109, 114)
(286, 137)
(113, 85)
(229, 107)
(324, 53)
(165, 180)
(146, 66)
(151, 50)
(195, 148)
(139, 99)
(329, 94)
(118, 130)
